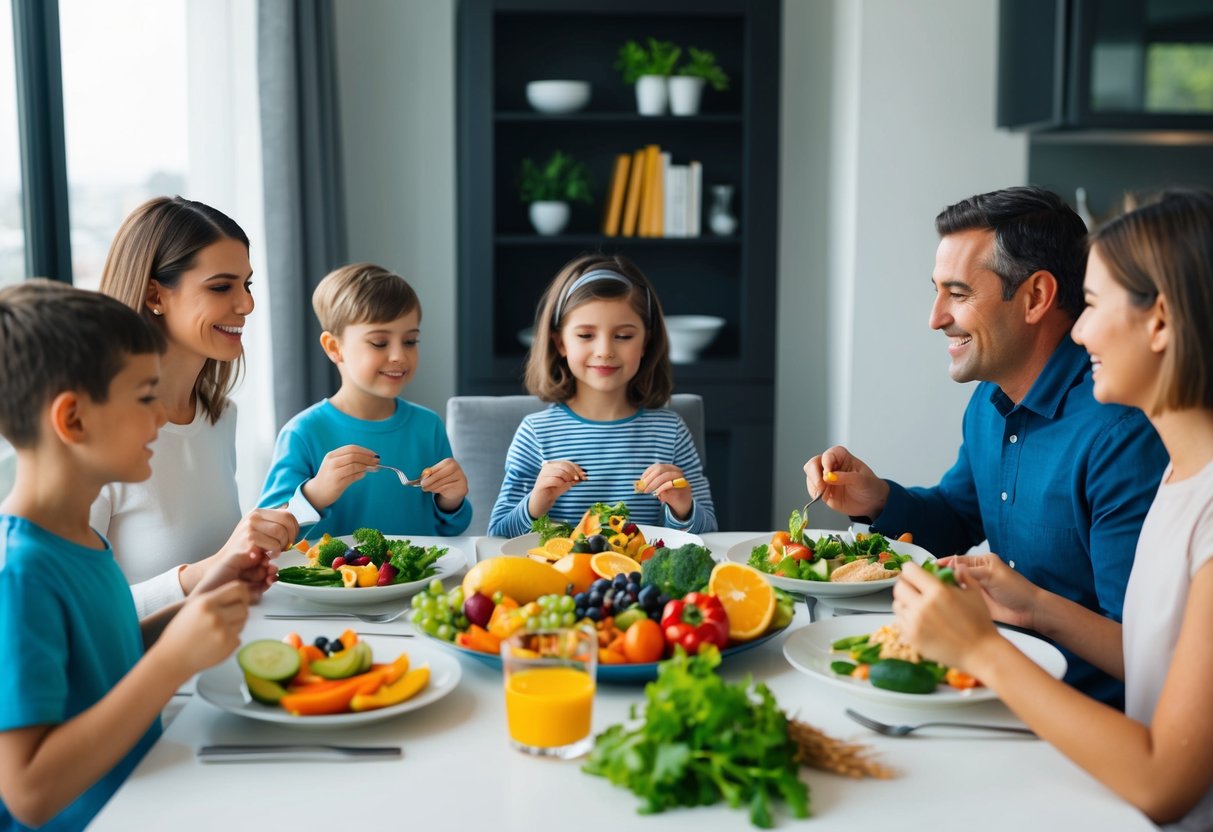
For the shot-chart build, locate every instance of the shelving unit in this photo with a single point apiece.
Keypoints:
(504, 266)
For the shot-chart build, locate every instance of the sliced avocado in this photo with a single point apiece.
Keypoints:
(629, 617)
(263, 690)
(342, 665)
(367, 656)
(275, 661)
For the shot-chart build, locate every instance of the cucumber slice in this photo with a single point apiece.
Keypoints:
(820, 569)
(263, 690)
(902, 676)
(344, 664)
(275, 661)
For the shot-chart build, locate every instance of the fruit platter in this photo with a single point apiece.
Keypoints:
(326, 682)
(827, 563)
(678, 597)
(366, 567)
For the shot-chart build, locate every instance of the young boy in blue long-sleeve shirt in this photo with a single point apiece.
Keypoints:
(372, 323)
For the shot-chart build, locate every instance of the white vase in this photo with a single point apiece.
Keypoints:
(651, 95)
(720, 216)
(686, 91)
(549, 217)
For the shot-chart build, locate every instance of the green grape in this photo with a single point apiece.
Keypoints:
(415, 601)
(497, 596)
(430, 626)
(532, 622)
(415, 616)
(446, 632)
(426, 604)
(568, 619)
(436, 587)
(567, 604)
(461, 622)
(455, 598)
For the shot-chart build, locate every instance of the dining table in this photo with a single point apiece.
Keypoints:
(458, 770)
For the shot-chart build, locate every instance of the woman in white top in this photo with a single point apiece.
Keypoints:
(185, 266)
(1149, 294)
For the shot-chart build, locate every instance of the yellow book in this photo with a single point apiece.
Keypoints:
(631, 210)
(648, 207)
(614, 206)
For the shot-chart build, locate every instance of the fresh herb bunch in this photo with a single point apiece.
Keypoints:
(703, 65)
(704, 740)
(413, 563)
(659, 59)
(547, 528)
(559, 179)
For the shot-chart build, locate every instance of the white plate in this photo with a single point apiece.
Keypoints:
(223, 687)
(447, 565)
(808, 650)
(740, 553)
(671, 537)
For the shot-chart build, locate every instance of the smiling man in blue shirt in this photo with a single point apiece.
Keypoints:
(1058, 483)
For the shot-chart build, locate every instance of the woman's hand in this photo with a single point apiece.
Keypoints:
(554, 479)
(261, 535)
(948, 624)
(340, 469)
(850, 486)
(1010, 597)
(447, 482)
(667, 483)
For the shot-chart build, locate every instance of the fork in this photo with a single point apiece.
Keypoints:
(367, 617)
(404, 480)
(902, 730)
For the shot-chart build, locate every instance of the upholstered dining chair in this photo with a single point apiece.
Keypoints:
(482, 427)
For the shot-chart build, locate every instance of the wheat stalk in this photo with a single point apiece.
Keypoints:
(817, 749)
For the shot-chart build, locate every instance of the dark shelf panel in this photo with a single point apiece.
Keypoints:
(617, 117)
(599, 240)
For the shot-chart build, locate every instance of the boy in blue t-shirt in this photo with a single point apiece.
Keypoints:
(372, 321)
(79, 697)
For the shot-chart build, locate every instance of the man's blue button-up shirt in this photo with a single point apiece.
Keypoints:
(1059, 484)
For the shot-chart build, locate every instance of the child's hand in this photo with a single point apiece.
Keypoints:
(256, 570)
(447, 481)
(554, 479)
(262, 533)
(340, 468)
(667, 483)
(205, 630)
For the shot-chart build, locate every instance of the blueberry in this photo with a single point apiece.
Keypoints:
(648, 594)
(321, 642)
(580, 598)
(633, 588)
(579, 613)
(621, 580)
(635, 577)
(595, 599)
(597, 543)
(601, 584)
(594, 614)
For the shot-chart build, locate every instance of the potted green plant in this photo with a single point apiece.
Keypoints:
(686, 88)
(648, 70)
(549, 188)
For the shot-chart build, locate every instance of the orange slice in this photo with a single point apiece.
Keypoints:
(610, 564)
(558, 547)
(746, 597)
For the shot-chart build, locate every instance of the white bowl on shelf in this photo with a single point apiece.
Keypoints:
(556, 97)
(690, 335)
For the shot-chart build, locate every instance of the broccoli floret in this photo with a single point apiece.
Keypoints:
(675, 572)
(372, 544)
(329, 551)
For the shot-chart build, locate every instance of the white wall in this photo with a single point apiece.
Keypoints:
(396, 77)
(909, 128)
(887, 116)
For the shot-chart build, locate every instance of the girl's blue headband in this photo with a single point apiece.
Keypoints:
(596, 275)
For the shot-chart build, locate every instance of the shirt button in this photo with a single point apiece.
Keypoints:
(1011, 564)
(1004, 496)
(1014, 439)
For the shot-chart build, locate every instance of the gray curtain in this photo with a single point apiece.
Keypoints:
(304, 206)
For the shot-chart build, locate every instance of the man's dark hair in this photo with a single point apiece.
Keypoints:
(54, 338)
(1034, 230)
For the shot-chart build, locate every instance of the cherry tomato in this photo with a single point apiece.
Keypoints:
(884, 557)
(796, 551)
(779, 542)
(643, 642)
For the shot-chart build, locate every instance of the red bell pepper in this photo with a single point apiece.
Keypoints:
(695, 620)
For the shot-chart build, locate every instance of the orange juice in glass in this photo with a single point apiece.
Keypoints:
(549, 690)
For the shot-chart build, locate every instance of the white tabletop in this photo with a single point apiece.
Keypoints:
(458, 770)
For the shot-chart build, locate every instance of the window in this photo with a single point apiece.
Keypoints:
(125, 99)
(12, 227)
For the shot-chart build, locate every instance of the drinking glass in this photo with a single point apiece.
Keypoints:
(549, 690)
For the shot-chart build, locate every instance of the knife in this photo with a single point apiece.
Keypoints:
(261, 753)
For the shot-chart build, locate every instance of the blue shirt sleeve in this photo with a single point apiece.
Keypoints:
(294, 465)
(944, 519)
(511, 515)
(703, 510)
(33, 690)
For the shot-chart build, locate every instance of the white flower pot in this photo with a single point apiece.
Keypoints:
(549, 217)
(686, 91)
(651, 95)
